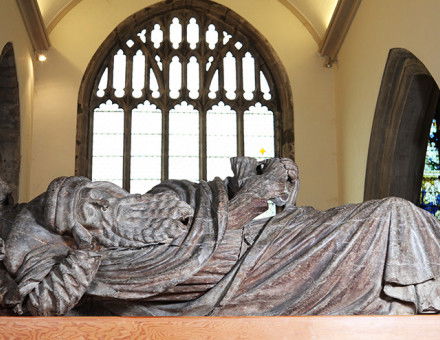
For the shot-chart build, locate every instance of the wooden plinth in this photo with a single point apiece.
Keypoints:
(312, 327)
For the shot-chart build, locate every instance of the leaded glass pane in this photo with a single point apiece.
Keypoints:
(108, 136)
(430, 191)
(184, 143)
(259, 132)
(146, 144)
(221, 143)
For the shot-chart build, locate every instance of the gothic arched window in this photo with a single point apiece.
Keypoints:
(175, 91)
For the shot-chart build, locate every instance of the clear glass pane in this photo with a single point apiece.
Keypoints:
(138, 74)
(184, 143)
(159, 62)
(229, 75)
(175, 77)
(146, 143)
(154, 86)
(264, 86)
(259, 137)
(221, 140)
(193, 77)
(209, 63)
(248, 76)
(211, 36)
(102, 83)
(175, 33)
(157, 36)
(226, 37)
(107, 149)
(213, 87)
(119, 61)
(238, 45)
(142, 35)
(192, 33)
(141, 187)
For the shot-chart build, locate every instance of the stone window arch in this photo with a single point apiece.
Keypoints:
(174, 91)
(9, 120)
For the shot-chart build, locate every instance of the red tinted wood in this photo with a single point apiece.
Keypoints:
(312, 327)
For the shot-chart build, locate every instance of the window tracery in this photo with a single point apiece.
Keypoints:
(177, 90)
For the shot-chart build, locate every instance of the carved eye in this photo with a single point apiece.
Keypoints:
(89, 211)
(260, 169)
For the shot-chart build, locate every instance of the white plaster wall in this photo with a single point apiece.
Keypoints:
(378, 26)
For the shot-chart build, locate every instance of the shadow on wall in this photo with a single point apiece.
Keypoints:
(9, 120)
(54, 120)
(408, 99)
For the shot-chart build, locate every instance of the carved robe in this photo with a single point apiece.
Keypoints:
(377, 257)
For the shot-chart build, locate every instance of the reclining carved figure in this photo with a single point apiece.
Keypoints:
(91, 248)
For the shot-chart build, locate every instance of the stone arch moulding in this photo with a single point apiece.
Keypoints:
(269, 62)
(9, 120)
(407, 101)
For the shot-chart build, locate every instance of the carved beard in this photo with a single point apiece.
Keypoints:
(136, 221)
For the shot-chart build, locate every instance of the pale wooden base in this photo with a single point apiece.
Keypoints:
(312, 327)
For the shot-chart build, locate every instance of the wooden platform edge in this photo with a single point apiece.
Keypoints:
(294, 327)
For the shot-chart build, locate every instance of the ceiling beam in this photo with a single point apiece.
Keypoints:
(342, 18)
(35, 27)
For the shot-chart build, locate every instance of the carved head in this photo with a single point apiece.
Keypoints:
(103, 213)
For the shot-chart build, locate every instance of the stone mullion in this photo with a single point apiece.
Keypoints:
(203, 95)
(128, 107)
(166, 103)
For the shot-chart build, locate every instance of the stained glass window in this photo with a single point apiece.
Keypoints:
(430, 191)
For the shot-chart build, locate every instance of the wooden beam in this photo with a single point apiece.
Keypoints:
(35, 27)
(342, 18)
(296, 327)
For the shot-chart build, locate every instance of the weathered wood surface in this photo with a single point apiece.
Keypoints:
(322, 327)
(88, 248)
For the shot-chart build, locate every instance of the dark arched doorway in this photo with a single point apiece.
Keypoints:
(407, 102)
(9, 120)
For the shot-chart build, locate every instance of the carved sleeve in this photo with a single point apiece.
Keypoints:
(64, 285)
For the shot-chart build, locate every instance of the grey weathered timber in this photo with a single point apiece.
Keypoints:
(183, 248)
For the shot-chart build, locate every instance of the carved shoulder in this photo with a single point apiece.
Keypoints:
(25, 235)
